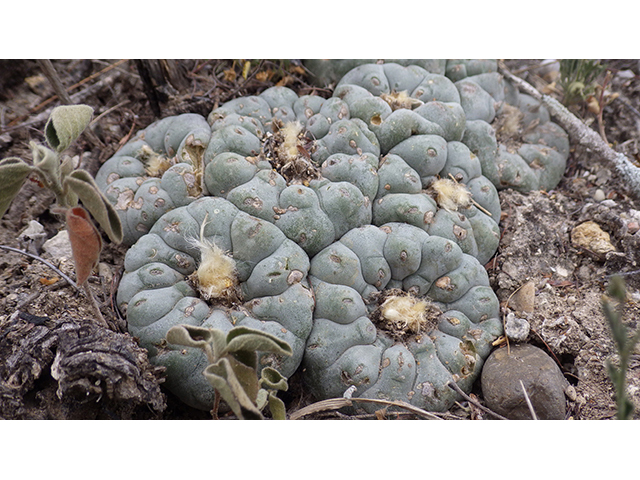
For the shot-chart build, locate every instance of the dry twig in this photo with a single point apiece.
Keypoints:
(76, 98)
(51, 266)
(455, 387)
(526, 397)
(580, 133)
(50, 72)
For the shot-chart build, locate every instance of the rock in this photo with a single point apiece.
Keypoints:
(590, 236)
(543, 381)
(59, 246)
(523, 299)
(599, 195)
(32, 237)
(516, 329)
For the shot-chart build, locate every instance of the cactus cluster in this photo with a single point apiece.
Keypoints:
(162, 288)
(517, 144)
(353, 227)
(410, 345)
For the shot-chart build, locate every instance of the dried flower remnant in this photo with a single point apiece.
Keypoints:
(402, 313)
(216, 275)
(451, 195)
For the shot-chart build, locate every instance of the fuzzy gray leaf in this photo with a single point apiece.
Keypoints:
(65, 125)
(13, 173)
(249, 339)
(84, 186)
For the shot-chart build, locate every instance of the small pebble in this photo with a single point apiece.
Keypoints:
(59, 246)
(543, 381)
(599, 195)
(104, 271)
(584, 274)
(626, 74)
(571, 393)
(32, 237)
(633, 227)
(523, 300)
(603, 176)
(11, 299)
(516, 328)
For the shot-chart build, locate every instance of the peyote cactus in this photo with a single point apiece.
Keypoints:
(311, 166)
(160, 169)
(511, 133)
(399, 314)
(374, 189)
(244, 266)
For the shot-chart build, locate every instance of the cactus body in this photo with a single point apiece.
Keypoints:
(346, 348)
(158, 291)
(310, 209)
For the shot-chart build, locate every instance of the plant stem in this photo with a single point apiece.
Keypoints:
(216, 404)
(94, 305)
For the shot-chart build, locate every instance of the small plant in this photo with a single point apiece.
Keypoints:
(578, 78)
(70, 185)
(233, 364)
(625, 344)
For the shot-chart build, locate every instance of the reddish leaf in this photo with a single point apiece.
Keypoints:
(86, 243)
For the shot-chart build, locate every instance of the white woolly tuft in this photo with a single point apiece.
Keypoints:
(451, 195)
(290, 133)
(405, 313)
(217, 271)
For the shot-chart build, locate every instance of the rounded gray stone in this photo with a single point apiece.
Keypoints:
(516, 328)
(542, 379)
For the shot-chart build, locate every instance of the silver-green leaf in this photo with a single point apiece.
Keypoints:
(189, 336)
(48, 164)
(13, 173)
(231, 380)
(276, 407)
(84, 186)
(249, 339)
(272, 379)
(65, 125)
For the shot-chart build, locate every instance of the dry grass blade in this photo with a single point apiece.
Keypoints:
(338, 403)
(526, 397)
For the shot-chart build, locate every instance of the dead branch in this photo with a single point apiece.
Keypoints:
(76, 98)
(580, 133)
(94, 369)
(54, 79)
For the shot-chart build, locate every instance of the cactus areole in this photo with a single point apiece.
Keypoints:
(353, 227)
